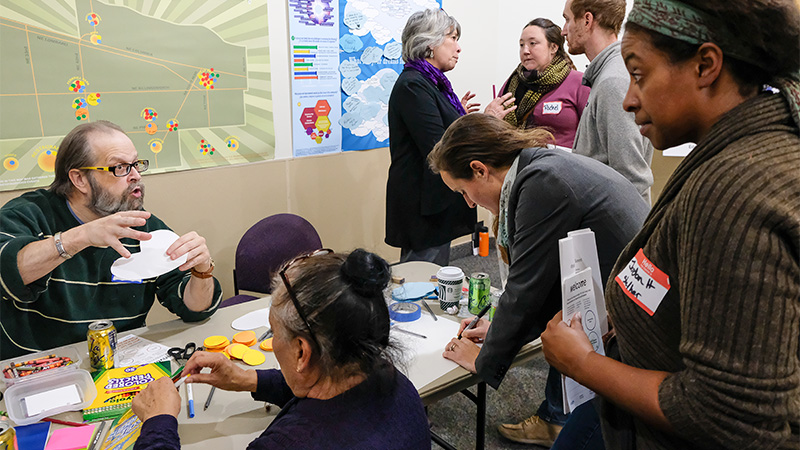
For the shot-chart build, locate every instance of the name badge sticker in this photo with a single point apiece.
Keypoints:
(551, 108)
(644, 283)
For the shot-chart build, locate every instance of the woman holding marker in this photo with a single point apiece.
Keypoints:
(422, 215)
(539, 195)
(546, 87)
(337, 385)
(711, 341)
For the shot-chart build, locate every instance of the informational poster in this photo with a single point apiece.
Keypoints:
(314, 53)
(370, 62)
(188, 81)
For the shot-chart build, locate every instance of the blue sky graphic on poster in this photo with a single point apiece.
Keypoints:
(370, 60)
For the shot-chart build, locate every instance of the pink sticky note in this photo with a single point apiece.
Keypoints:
(72, 438)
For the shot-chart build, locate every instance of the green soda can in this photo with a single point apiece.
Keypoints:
(479, 292)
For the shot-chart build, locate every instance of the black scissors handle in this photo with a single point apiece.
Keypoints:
(182, 353)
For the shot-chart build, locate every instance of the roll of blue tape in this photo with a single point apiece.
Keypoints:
(404, 311)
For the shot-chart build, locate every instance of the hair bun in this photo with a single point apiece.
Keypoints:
(366, 272)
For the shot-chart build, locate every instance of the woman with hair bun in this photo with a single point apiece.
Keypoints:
(337, 385)
(705, 299)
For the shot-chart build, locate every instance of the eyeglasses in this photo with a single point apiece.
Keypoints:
(290, 290)
(123, 169)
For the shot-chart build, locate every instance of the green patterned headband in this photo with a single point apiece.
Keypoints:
(685, 23)
(682, 22)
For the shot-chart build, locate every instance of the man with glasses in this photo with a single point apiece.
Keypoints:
(57, 246)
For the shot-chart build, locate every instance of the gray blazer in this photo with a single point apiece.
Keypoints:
(555, 192)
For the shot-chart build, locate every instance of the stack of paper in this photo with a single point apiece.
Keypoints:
(581, 291)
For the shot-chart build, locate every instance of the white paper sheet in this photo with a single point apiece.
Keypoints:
(52, 399)
(423, 357)
(133, 350)
(151, 261)
(252, 320)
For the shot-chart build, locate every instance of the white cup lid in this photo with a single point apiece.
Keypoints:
(450, 273)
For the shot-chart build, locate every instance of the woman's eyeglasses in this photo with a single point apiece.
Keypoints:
(290, 290)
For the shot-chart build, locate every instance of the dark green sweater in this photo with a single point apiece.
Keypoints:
(58, 308)
(726, 230)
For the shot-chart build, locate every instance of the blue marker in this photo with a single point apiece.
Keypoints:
(190, 399)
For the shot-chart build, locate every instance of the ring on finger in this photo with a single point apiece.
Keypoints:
(452, 347)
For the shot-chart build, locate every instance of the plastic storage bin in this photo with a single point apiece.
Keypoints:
(33, 397)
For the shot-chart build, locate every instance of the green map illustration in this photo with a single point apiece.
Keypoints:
(187, 80)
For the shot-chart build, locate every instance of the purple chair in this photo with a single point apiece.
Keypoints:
(264, 248)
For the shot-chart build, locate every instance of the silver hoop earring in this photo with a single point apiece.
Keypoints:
(429, 54)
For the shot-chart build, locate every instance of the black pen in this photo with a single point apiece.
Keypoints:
(476, 319)
(208, 400)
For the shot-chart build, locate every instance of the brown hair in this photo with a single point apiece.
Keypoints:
(607, 13)
(552, 33)
(484, 138)
(771, 28)
(76, 151)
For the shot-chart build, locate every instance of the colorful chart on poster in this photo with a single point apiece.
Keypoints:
(370, 62)
(314, 53)
(188, 80)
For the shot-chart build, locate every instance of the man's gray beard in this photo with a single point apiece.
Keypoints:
(104, 203)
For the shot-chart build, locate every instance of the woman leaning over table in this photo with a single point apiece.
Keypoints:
(337, 386)
(547, 89)
(712, 348)
(422, 215)
(540, 195)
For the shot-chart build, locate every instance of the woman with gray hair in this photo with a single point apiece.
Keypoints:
(422, 215)
(337, 385)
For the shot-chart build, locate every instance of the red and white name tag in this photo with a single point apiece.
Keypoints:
(551, 108)
(643, 282)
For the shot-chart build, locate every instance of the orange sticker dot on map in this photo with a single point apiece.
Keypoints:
(266, 345)
(253, 358)
(47, 160)
(156, 146)
(11, 163)
(151, 128)
(216, 342)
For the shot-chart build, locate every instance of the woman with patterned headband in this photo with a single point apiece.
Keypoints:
(546, 87)
(705, 300)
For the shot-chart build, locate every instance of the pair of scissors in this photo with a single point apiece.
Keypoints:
(182, 353)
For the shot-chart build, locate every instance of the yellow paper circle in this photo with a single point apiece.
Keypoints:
(253, 358)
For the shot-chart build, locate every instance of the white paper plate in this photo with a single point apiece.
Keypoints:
(252, 320)
(151, 261)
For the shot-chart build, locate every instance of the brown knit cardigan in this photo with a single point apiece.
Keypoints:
(726, 230)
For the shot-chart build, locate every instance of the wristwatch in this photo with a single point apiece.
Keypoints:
(206, 274)
(60, 246)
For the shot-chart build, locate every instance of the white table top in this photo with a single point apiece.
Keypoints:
(233, 419)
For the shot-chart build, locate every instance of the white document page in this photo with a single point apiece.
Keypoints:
(578, 296)
(47, 400)
(423, 358)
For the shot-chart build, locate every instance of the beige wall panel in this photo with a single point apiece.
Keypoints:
(344, 197)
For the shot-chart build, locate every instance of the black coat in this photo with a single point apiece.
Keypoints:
(555, 192)
(421, 211)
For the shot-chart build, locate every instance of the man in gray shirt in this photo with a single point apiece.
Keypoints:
(606, 132)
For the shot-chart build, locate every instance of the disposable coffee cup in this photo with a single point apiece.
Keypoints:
(450, 281)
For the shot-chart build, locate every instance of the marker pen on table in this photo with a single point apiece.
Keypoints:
(190, 399)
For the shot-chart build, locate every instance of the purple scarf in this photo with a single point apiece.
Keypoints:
(438, 79)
